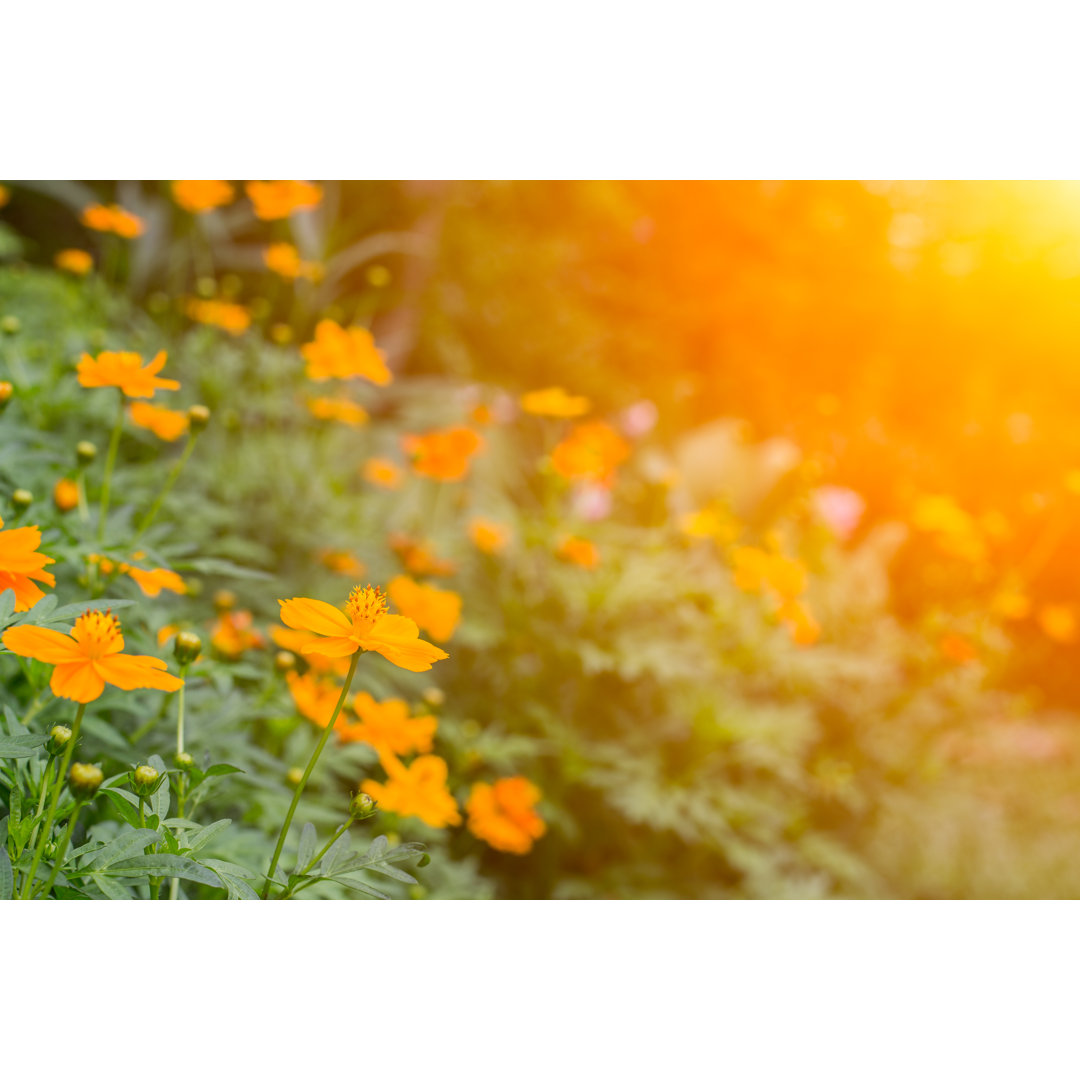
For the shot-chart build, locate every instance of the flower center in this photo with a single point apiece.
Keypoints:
(365, 606)
(98, 632)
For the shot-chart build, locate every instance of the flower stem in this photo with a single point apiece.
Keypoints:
(181, 783)
(177, 469)
(326, 847)
(307, 772)
(54, 798)
(61, 851)
(110, 462)
(46, 778)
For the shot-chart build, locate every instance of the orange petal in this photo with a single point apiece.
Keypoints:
(333, 646)
(397, 638)
(321, 618)
(77, 682)
(38, 643)
(136, 672)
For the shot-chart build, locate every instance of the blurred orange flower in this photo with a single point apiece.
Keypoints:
(66, 495)
(114, 219)
(124, 370)
(955, 530)
(340, 352)
(232, 318)
(715, 522)
(592, 451)
(753, 569)
(1058, 622)
(418, 556)
(435, 610)
(382, 472)
(284, 260)
(583, 553)
(364, 625)
(167, 424)
(315, 698)
(74, 261)
(1010, 603)
(418, 790)
(276, 199)
(803, 627)
(232, 634)
(21, 564)
(489, 536)
(344, 412)
(958, 649)
(502, 814)
(387, 727)
(295, 640)
(443, 455)
(554, 401)
(202, 196)
(88, 657)
(342, 562)
(153, 581)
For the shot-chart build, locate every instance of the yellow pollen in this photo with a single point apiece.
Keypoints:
(365, 605)
(96, 631)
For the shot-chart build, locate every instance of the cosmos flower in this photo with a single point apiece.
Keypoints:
(435, 610)
(340, 352)
(167, 424)
(502, 814)
(114, 219)
(443, 455)
(74, 261)
(21, 565)
(276, 199)
(554, 401)
(202, 196)
(124, 370)
(417, 790)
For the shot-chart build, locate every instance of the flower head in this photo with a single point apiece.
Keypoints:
(202, 196)
(167, 424)
(284, 260)
(74, 261)
(489, 536)
(435, 610)
(340, 352)
(124, 370)
(592, 451)
(232, 634)
(342, 562)
(580, 552)
(418, 556)
(88, 657)
(276, 199)
(382, 472)
(315, 698)
(365, 625)
(387, 727)
(153, 581)
(21, 564)
(66, 494)
(502, 814)
(554, 401)
(114, 219)
(417, 790)
(232, 318)
(443, 455)
(344, 412)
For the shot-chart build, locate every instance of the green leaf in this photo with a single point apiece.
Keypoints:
(338, 853)
(227, 569)
(208, 834)
(117, 849)
(222, 770)
(165, 866)
(21, 746)
(306, 849)
(70, 612)
(123, 806)
(7, 605)
(391, 871)
(159, 801)
(113, 890)
(361, 886)
(7, 876)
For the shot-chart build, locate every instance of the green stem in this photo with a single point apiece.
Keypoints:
(181, 783)
(61, 851)
(307, 772)
(45, 781)
(177, 469)
(326, 847)
(110, 462)
(84, 510)
(46, 828)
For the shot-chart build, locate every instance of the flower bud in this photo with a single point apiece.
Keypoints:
(184, 761)
(434, 696)
(84, 780)
(285, 660)
(66, 494)
(85, 452)
(224, 599)
(21, 499)
(6, 390)
(294, 776)
(198, 418)
(59, 737)
(362, 806)
(10, 324)
(187, 646)
(145, 780)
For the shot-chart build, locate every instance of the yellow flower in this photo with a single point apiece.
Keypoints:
(435, 610)
(443, 455)
(202, 196)
(715, 522)
(489, 536)
(232, 318)
(342, 562)
(583, 553)
(295, 640)
(124, 370)
(340, 352)
(276, 199)
(66, 495)
(554, 401)
(419, 556)
(387, 727)
(74, 261)
(955, 530)
(344, 412)
(153, 581)
(382, 472)
(315, 698)
(418, 790)
(114, 219)
(592, 451)
(284, 260)
(232, 634)
(364, 625)
(167, 424)
(502, 814)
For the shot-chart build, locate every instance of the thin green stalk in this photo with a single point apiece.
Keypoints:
(177, 469)
(61, 851)
(181, 783)
(45, 781)
(307, 772)
(80, 483)
(54, 798)
(110, 462)
(326, 847)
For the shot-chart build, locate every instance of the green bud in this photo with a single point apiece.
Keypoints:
(198, 418)
(285, 660)
(294, 776)
(85, 452)
(145, 781)
(84, 780)
(187, 646)
(59, 737)
(21, 499)
(10, 324)
(184, 761)
(362, 806)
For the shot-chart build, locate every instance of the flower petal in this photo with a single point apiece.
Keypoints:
(38, 643)
(331, 646)
(315, 615)
(136, 672)
(397, 638)
(77, 682)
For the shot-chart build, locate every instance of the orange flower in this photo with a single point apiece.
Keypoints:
(74, 261)
(489, 536)
(754, 569)
(1010, 603)
(387, 727)
(66, 495)
(419, 556)
(435, 610)
(284, 260)
(574, 549)
(715, 522)
(114, 219)
(382, 472)
(443, 455)
(956, 531)
(276, 199)
(153, 581)
(295, 640)
(364, 625)
(167, 424)
(344, 412)
(232, 318)
(124, 370)
(502, 814)
(340, 352)
(21, 564)
(592, 451)
(315, 698)
(169, 630)
(202, 196)
(554, 401)
(957, 649)
(418, 790)
(89, 657)
(232, 635)
(342, 562)
(803, 627)
(1058, 622)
